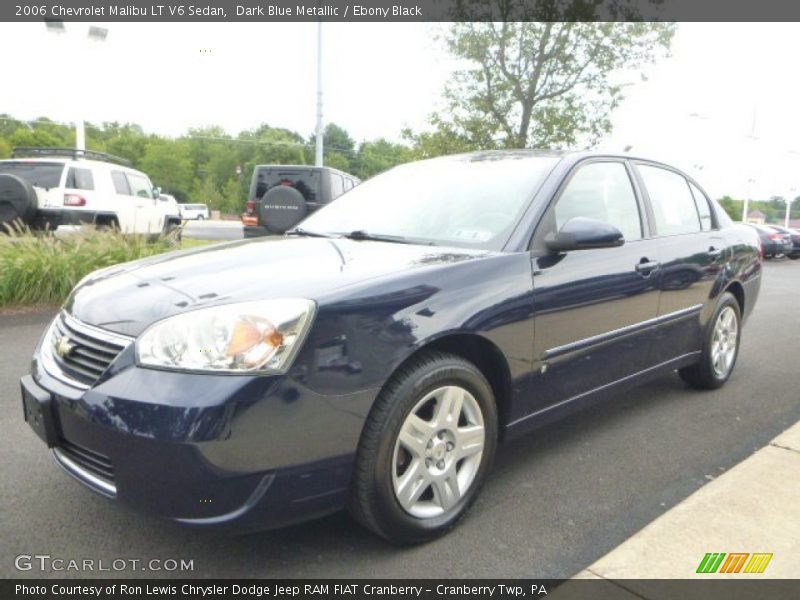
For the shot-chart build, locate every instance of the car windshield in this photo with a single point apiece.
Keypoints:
(43, 175)
(472, 200)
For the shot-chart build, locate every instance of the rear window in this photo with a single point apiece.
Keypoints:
(41, 174)
(79, 179)
(304, 181)
(194, 206)
(120, 183)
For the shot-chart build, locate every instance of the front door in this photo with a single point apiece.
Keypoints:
(594, 309)
(149, 219)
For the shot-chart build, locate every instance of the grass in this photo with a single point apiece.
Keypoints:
(41, 269)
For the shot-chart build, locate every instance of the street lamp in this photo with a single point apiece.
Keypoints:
(751, 136)
(319, 155)
(750, 183)
(95, 34)
(789, 199)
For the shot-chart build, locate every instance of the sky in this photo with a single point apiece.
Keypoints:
(697, 109)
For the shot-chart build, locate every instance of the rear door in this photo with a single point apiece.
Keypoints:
(693, 254)
(594, 309)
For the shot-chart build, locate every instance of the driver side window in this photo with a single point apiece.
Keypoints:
(601, 191)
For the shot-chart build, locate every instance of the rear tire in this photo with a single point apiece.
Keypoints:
(18, 201)
(720, 347)
(426, 449)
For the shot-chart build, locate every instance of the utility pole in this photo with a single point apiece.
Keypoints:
(747, 199)
(319, 160)
(95, 34)
(752, 135)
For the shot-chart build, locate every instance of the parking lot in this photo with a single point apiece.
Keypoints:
(556, 501)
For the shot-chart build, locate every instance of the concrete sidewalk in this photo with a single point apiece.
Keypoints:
(753, 508)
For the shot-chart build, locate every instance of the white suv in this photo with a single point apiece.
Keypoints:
(48, 187)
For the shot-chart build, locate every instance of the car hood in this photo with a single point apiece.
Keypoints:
(127, 298)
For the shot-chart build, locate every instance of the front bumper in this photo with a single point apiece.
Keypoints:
(239, 452)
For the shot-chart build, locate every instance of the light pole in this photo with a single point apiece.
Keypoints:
(751, 136)
(750, 183)
(319, 159)
(95, 34)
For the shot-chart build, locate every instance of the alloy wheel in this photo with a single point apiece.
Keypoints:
(438, 452)
(724, 342)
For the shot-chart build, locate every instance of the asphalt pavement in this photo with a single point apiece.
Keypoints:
(557, 500)
(213, 230)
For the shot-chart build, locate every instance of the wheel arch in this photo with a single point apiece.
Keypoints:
(737, 289)
(482, 353)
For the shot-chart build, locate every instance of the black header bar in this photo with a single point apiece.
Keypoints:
(711, 588)
(372, 11)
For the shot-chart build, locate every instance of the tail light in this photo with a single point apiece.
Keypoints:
(74, 200)
(251, 207)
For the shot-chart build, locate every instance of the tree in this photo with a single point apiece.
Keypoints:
(539, 84)
(338, 148)
(233, 197)
(169, 164)
(206, 192)
(732, 207)
(378, 156)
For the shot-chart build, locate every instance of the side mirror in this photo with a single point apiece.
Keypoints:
(581, 233)
(156, 192)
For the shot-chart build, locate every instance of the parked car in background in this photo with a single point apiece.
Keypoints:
(48, 187)
(283, 195)
(794, 234)
(375, 356)
(773, 242)
(194, 212)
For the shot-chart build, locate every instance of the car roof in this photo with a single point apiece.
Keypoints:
(305, 168)
(84, 162)
(571, 154)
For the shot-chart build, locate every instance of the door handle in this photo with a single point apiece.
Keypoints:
(646, 266)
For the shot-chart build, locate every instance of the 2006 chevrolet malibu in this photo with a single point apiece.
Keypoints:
(374, 357)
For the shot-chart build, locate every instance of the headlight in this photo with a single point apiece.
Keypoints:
(260, 336)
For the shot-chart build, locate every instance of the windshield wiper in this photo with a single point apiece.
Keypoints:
(305, 232)
(361, 235)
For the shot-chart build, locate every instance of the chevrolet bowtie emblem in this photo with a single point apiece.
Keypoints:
(64, 347)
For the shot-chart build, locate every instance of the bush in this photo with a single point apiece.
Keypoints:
(40, 268)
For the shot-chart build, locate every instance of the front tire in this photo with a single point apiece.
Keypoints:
(720, 347)
(426, 449)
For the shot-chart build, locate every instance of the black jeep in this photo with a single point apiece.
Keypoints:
(282, 195)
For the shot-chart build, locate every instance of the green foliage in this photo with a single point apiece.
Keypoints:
(208, 165)
(732, 207)
(537, 84)
(774, 209)
(43, 269)
(207, 192)
(379, 155)
(233, 197)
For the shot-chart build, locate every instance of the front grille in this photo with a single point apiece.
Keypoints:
(94, 462)
(83, 353)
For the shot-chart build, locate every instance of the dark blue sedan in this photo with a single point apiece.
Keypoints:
(374, 358)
